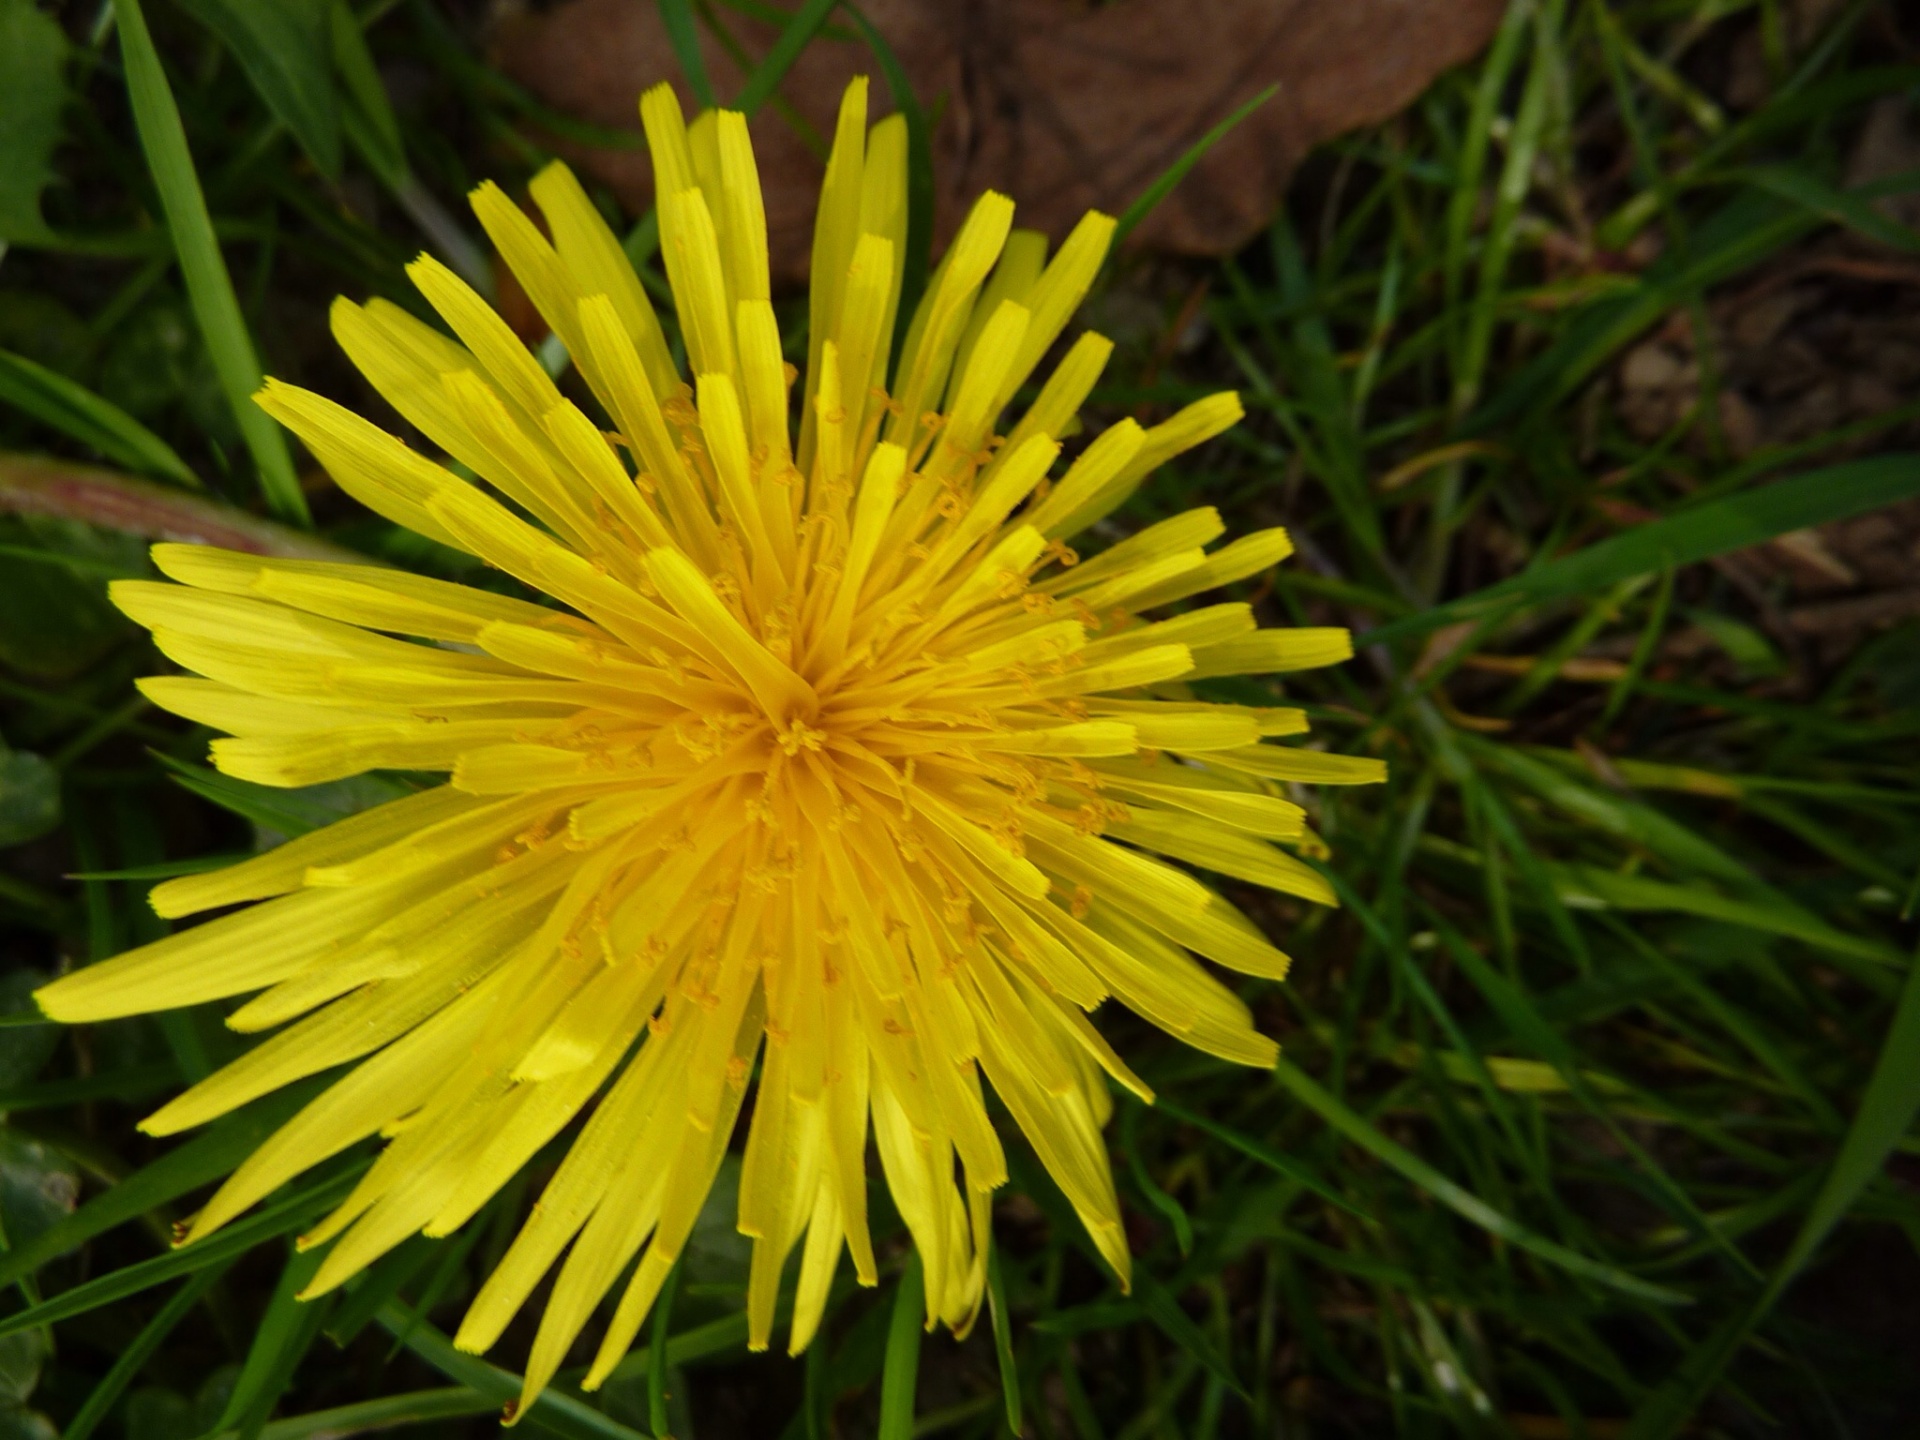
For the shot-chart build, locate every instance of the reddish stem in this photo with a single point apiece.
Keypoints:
(36, 485)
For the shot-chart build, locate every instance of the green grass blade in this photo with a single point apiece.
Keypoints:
(133, 1356)
(643, 240)
(1485, 803)
(1852, 209)
(79, 414)
(366, 112)
(683, 33)
(1521, 143)
(1748, 229)
(1474, 1066)
(773, 67)
(1462, 1202)
(1510, 1003)
(204, 1158)
(1282, 1165)
(1149, 199)
(209, 287)
(1466, 192)
(1090, 1318)
(716, 1337)
(127, 1083)
(375, 1286)
(281, 1219)
(452, 1259)
(657, 1359)
(1003, 1337)
(286, 812)
(284, 48)
(1590, 887)
(1632, 821)
(1736, 1022)
(389, 1413)
(1887, 1111)
(1172, 1209)
(555, 1412)
(1159, 1305)
(900, 1372)
(281, 1337)
(76, 564)
(1699, 533)
(165, 870)
(384, 1414)
(1315, 372)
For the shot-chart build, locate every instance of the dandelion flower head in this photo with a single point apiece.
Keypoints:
(833, 774)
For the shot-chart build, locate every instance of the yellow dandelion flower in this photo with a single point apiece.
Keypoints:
(831, 760)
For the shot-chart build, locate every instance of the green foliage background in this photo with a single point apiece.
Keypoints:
(1615, 1037)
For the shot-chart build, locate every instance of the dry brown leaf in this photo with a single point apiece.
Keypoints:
(1062, 104)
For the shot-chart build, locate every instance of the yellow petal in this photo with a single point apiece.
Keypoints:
(596, 265)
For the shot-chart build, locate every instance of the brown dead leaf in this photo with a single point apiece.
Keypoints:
(1062, 104)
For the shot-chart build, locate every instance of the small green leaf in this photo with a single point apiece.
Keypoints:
(45, 329)
(285, 46)
(1750, 651)
(22, 1357)
(29, 797)
(38, 1187)
(156, 1412)
(81, 415)
(33, 88)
